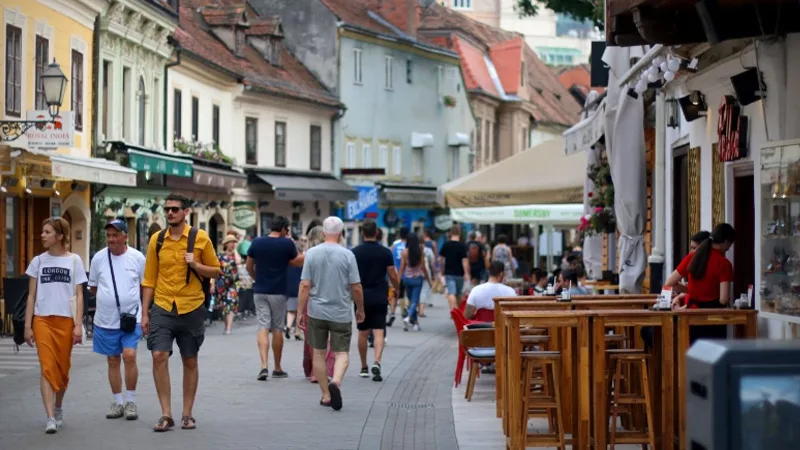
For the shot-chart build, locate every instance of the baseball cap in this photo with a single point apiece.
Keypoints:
(118, 225)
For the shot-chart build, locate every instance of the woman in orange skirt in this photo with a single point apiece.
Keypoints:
(53, 314)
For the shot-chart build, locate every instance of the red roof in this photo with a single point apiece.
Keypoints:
(290, 78)
(215, 14)
(579, 76)
(356, 12)
(265, 27)
(506, 51)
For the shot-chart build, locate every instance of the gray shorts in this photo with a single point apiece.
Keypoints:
(270, 311)
(291, 304)
(166, 327)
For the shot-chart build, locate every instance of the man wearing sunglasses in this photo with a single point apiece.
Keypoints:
(173, 283)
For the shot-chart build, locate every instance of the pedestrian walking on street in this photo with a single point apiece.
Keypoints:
(115, 279)
(415, 273)
(375, 265)
(267, 260)
(180, 262)
(398, 246)
(292, 287)
(53, 316)
(330, 284)
(456, 266)
(225, 287)
(315, 238)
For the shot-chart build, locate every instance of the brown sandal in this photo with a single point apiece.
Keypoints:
(188, 423)
(165, 423)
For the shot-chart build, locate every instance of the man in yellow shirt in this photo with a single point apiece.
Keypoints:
(177, 313)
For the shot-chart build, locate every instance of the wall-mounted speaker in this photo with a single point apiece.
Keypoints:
(693, 106)
(748, 87)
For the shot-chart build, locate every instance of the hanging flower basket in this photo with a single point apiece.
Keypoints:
(209, 152)
(602, 218)
(449, 101)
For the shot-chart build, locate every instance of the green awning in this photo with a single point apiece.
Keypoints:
(149, 162)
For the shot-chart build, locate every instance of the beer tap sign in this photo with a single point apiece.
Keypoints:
(731, 130)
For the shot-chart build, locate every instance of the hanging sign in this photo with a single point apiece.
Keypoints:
(731, 130)
(244, 217)
(58, 133)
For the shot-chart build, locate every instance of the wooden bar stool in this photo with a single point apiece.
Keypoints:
(625, 400)
(543, 369)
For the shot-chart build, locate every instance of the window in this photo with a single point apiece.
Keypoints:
(366, 156)
(126, 103)
(13, 71)
(462, 4)
(357, 66)
(384, 155)
(195, 119)
(177, 100)
(42, 56)
(142, 110)
(479, 141)
(388, 75)
(409, 70)
(351, 155)
(77, 89)
(398, 161)
(455, 163)
(251, 140)
(155, 106)
(215, 125)
(440, 80)
(106, 98)
(417, 156)
(280, 144)
(316, 147)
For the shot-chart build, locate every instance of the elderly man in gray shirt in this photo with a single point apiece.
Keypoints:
(331, 283)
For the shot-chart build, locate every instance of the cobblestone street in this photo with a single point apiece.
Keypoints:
(410, 409)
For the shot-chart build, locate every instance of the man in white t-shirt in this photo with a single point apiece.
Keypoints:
(481, 297)
(109, 339)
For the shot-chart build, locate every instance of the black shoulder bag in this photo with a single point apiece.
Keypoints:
(127, 321)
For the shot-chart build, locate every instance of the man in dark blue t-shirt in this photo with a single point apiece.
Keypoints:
(375, 265)
(267, 260)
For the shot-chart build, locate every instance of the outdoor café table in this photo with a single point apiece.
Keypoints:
(745, 323)
(663, 357)
(540, 304)
(576, 324)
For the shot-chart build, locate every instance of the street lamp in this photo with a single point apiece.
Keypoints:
(54, 83)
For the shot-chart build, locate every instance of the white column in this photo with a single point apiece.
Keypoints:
(659, 217)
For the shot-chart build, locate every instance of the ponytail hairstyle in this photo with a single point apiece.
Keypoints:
(722, 233)
(414, 247)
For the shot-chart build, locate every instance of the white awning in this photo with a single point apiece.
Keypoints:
(585, 133)
(93, 170)
(568, 214)
(458, 139)
(419, 140)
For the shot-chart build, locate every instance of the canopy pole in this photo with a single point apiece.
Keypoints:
(536, 263)
(550, 248)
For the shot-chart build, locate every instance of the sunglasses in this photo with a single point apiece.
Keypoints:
(172, 209)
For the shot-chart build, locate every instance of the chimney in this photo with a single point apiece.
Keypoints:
(412, 18)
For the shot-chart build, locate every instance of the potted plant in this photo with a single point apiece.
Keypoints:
(602, 218)
(449, 101)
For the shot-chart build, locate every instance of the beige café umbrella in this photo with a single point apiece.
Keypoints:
(538, 175)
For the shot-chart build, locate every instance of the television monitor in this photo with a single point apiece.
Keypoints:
(743, 395)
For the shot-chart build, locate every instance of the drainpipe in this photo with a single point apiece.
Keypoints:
(166, 85)
(656, 258)
(335, 118)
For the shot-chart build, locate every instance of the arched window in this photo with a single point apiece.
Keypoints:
(142, 110)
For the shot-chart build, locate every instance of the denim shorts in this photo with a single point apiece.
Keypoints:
(455, 284)
(110, 342)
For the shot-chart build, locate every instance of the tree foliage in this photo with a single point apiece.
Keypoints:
(579, 9)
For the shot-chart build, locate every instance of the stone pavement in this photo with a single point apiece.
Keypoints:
(411, 409)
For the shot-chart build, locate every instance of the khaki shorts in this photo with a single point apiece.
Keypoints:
(320, 330)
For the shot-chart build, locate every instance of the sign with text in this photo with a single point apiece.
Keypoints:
(367, 203)
(244, 217)
(58, 132)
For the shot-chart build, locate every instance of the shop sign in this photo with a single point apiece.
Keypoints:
(731, 130)
(157, 164)
(390, 218)
(244, 217)
(443, 222)
(367, 203)
(58, 133)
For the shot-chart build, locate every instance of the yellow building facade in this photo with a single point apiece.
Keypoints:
(38, 183)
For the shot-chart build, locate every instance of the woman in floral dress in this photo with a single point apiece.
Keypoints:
(225, 287)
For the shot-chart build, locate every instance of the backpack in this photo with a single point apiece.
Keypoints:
(474, 253)
(204, 282)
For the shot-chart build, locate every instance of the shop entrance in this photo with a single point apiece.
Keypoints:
(680, 206)
(744, 223)
(216, 226)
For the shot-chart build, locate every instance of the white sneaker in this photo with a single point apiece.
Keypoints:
(51, 426)
(131, 411)
(58, 415)
(115, 411)
(416, 327)
(406, 323)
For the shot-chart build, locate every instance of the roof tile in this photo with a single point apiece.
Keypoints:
(290, 78)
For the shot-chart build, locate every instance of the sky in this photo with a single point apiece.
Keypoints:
(774, 387)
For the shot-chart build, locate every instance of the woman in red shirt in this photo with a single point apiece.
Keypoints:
(709, 274)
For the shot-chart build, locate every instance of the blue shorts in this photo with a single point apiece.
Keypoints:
(454, 285)
(109, 342)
